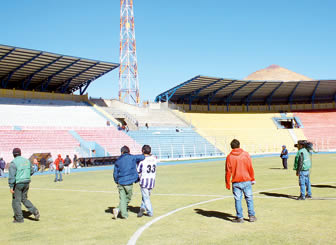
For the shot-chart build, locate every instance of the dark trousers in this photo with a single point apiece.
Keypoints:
(284, 163)
(21, 195)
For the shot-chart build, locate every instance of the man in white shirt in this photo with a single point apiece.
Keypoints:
(147, 172)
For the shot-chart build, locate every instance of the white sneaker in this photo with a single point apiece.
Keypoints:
(115, 213)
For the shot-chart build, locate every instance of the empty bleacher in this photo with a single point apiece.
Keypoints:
(55, 113)
(110, 139)
(153, 114)
(256, 132)
(320, 128)
(36, 141)
(38, 125)
(175, 143)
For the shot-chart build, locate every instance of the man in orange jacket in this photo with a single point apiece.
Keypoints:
(239, 166)
(59, 165)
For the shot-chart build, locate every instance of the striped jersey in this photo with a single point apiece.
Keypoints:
(147, 172)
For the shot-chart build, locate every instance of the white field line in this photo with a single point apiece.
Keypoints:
(137, 234)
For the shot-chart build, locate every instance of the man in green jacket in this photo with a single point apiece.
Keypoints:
(302, 165)
(20, 170)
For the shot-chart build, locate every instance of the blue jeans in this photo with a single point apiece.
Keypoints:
(60, 175)
(238, 189)
(2, 173)
(146, 203)
(304, 182)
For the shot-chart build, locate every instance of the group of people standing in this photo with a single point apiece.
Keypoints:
(130, 169)
(302, 165)
(240, 173)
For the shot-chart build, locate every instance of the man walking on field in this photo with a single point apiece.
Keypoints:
(125, 175)
(239, 166)
(20, 170)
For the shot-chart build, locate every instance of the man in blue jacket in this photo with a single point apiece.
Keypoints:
(125, 174)
(284, 156)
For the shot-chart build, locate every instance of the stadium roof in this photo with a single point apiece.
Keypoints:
(27, 69)
(212, 90)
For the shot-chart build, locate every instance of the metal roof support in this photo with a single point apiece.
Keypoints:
(290, 99)
(249, 96)
(176, 88)
(196, 92)
(208, 100)
(4, 56)
(228, 99)
(314, 93)
(65, 85)
(18, 68)
(30, 77)
(46, 83)
(213, 94)
(25, 83)
(2, 83)
(190, 101)
(82, 91)
(88, 83)
(269, 98)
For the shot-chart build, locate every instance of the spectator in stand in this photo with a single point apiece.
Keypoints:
(284, 156)
(59, 165)
(43, 164)
(119, 127)
(20, 170)
(239, 165)
(2, 168)
(35, 164)
(67, 162)
(146, 125)
(125, 175)
(75, 159)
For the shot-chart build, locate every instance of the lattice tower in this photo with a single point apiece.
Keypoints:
(128, 70)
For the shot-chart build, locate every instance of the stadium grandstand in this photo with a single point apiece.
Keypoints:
(43, 115)
(195, 119)
(277, 108)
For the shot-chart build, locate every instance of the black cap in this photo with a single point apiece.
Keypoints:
(300, 142)
(17, 152)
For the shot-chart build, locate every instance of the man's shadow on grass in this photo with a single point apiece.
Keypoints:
(130, 209)
(324, 186)
(276, 168)
(216, 214)
(271, 194)
(27, 215)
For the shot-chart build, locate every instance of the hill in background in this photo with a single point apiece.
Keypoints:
(276, 73)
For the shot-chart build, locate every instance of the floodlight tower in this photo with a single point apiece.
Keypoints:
(128, 70)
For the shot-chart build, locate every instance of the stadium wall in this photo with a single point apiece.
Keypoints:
(18, 94)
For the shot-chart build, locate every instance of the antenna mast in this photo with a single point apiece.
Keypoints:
(128, 70)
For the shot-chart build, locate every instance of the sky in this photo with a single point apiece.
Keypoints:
(177, 40)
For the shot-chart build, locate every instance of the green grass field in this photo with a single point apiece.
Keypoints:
(78, 210)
